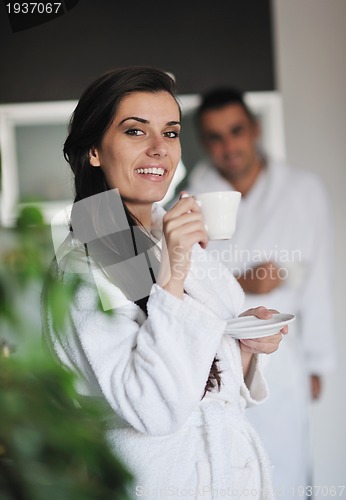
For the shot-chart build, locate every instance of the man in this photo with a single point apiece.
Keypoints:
(280, 253)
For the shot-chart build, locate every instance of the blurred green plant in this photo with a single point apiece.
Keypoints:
(52, 443)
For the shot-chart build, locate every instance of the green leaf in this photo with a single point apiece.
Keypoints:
(29, 216)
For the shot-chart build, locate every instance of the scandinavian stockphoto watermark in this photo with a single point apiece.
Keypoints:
(251, 264)
(103, 240)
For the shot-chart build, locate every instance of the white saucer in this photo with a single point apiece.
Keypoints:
(250, 327)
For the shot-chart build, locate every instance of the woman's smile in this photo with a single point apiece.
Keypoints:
(152, 172)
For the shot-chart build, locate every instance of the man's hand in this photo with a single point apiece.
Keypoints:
(261, 279)
(315, 386)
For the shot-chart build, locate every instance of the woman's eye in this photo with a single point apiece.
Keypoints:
(171, 134)
(134, 131)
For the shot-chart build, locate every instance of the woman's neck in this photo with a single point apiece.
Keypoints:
(142, 213)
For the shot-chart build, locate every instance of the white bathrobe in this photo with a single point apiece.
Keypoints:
(152, 371)
(284, 218)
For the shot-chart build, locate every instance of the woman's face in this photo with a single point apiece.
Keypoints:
(140, 151)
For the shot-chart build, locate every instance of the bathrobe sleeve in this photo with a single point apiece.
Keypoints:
(254, 388)
(151, 372)
(317, 322)
(214, 285)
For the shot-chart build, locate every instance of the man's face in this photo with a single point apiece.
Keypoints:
(229, 137)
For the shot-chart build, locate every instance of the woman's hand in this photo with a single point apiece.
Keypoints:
(183, 226)
(263, 345)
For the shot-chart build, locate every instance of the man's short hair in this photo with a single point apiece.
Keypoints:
(219, 98)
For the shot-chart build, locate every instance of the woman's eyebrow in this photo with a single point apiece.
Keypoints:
(142, 120)
(136, 118)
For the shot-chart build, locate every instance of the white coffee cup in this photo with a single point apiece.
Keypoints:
(219, 211)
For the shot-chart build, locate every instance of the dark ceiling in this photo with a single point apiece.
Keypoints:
(204, 43)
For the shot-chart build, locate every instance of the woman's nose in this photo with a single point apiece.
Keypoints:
(157, 147)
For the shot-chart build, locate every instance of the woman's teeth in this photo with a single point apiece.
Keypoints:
(154, 170)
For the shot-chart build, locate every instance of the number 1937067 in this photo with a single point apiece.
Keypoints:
(33, 8)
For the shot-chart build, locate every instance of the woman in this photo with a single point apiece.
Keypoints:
(174, 384)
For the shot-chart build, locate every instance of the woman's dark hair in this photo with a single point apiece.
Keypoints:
(89, 123)
(94, 114)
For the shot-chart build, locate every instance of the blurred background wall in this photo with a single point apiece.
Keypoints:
(310, 44)
(294, 46)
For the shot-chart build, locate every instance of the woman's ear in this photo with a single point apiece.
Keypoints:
(94, 157)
